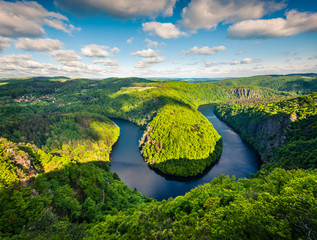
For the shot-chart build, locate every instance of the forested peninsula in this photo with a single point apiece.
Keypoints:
(57, 136)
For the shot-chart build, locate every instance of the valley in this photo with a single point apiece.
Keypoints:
(58, 178)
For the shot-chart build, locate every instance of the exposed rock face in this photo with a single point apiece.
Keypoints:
(269, 133)
(242, 93)
(265, 134)
(19, 157)
(145, 138)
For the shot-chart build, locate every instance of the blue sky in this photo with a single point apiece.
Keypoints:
(150, 38)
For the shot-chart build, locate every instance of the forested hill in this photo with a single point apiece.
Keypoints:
(55, 140)
(138, 100)
(300, 84)
(284, 132)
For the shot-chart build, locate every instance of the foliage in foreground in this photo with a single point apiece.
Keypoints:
(280, 205)
(32, 199)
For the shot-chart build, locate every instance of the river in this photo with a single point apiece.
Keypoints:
(237, 158)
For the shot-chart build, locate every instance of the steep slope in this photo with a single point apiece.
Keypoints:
(284, 132)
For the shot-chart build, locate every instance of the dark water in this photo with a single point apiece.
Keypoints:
(237, 159)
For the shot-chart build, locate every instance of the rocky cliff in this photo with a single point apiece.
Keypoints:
(264, 134)
(268, 134)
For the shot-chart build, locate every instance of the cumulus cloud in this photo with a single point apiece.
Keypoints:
(243, 61)
(130, 40)
(205, 50)
(145, 53)
(115, 50)
(239, 52)
(42, 45)
(94, 50)
(18, 62)
(147, 62)
(150, 57)
(27, 18)
(66, 57)
(25, 65)
(122, 9)
(248, 61)
(4, 43)
(295, 23)
(163, 30)
(151, 43)
(108, 62)
(208, 14)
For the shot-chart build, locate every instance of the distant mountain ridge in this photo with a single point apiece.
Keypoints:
(296, 83)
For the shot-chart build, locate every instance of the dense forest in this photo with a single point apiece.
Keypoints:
(180, 141)
(56, 137)
(284, 131)
(134, 99)
(296, 83)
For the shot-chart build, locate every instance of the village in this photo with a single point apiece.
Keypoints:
(30, 98)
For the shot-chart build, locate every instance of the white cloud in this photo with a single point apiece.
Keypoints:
(11, 62)
(27, 18)
(163, 30)
(122, 9)
(4, 43)
(239, 52)
(150, 57)
(208, 14)
(25, 65)
(147, 62)
(205, 50)
(130, 40)
(108, 62)
(94, 50)
(295, 23)
(243, 61)
(151, 43)
(42, 45)
(66, 57)
(115, 50)
(145, 53)
(240, 62)
(271, 67)
(247, 61)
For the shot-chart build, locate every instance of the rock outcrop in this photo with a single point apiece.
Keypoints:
(267, 134)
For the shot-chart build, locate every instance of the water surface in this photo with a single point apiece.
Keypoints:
(237, 158)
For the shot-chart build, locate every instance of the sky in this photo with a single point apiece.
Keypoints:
(157, 38)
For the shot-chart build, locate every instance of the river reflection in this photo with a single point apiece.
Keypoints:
(237, 159)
